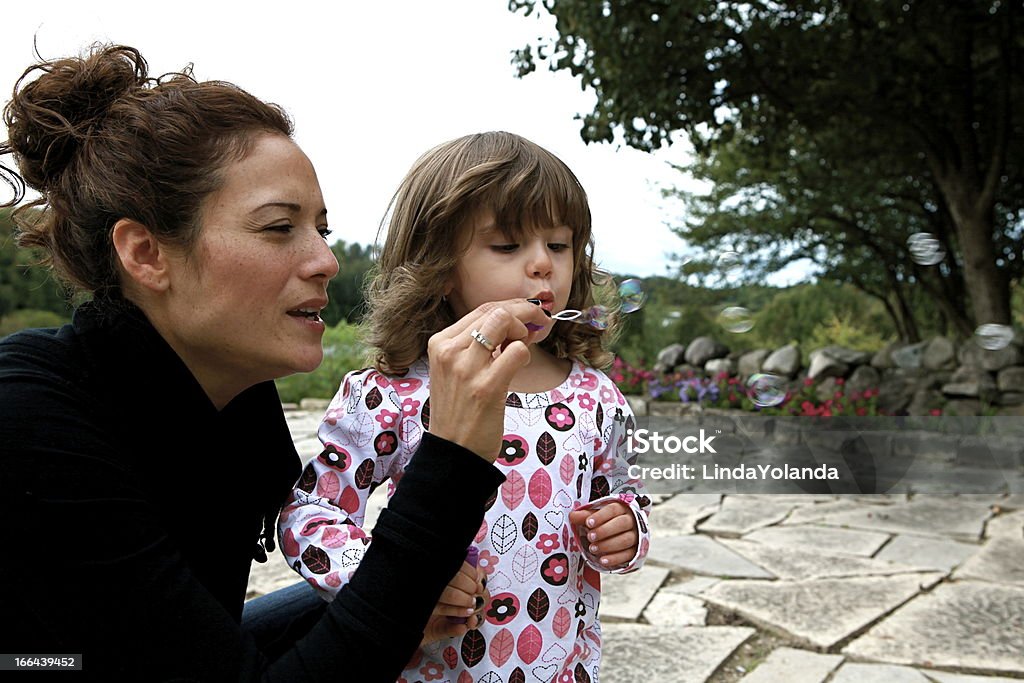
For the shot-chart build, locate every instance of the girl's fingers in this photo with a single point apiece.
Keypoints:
(616, 560)
(615, 543)
(604, 514)
(613, 527)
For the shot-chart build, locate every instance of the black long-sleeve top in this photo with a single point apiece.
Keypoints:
(112, 457)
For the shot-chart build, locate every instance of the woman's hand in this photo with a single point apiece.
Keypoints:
(469, 381)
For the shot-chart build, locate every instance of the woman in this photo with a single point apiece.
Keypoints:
(199, 228)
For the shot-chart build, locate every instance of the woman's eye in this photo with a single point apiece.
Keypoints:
(324, 232)
(284, 227)
(505, 248)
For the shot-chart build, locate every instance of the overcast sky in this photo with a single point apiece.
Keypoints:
(371, 86)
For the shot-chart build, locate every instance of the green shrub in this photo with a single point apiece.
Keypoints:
(343, 351)
(29, 317)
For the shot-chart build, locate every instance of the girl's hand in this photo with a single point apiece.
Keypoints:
(469, 381)
(463, 598)
(610, 533)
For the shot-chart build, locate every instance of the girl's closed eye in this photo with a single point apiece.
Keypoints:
(559, 246)
(505, 248)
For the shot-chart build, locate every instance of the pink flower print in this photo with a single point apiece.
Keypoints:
(587, 401)
(487, 561)
(560, 417)
(584, 380)
(620, 399)
(566, 677)
(385, 443)
(334, 414)
(410, 406)
(555, 569)
(627, 498)
(432, 671)
(548, 543)
(606, 395)
(406, 386)
(386, 419)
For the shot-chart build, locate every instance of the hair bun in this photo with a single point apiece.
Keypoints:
(49, 118)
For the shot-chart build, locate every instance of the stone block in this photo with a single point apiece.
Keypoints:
(636, 653)
(783, 361)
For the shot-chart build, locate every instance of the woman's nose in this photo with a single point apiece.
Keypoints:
(322, 261)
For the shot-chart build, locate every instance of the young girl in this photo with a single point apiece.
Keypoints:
(484, 218)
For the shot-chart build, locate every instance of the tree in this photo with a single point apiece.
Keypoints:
(934, 88)
(345, 291)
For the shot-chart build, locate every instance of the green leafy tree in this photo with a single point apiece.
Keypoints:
(345, 291)
(25, 285)
(932, 91)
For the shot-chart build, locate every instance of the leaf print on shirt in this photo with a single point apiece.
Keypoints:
(364, 475)
(524, 564)
(316, 560)
(599, 416)
(561, 623)
(567, 469)
(540, 489)
(581, 674)
(599, 488)
(450, 656)
(328, 485)
(289, 545)
(513, 489)
(529, 644)
(530, 526)
(560, 417)
(514, 450)
(538, 604)
(333, 537)
(474, 645)
(504, 534)
(425, 414)
(517, 676)
(502, 646)
(307, 482)
(546, 448)
(512, 401)
(373, 398)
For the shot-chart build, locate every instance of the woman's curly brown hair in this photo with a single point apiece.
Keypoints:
(525, 187)
(101, 140)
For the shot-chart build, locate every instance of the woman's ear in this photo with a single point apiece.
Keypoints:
(141, 255)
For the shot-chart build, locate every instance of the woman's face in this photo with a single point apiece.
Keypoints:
(244, 304)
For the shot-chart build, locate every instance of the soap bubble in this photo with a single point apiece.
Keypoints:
(597, 317)
(727, 261)
(632, 294)
(993, 337)
(766, 390)
(925, 249)
(736, 319)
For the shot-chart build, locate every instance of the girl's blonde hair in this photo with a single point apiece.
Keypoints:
(526, 187)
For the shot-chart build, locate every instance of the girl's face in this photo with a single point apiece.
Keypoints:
(494, 268)
(244, 306)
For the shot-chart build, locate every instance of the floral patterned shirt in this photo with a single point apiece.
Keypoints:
(563, 449)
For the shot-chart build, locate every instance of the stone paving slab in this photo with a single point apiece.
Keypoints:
(635, 653)
(810, 514)
(827, 539)
(1007, 525)
(789, 665)
(926, 516)
(822, 612)
(877, 673)
(940, 554)
(740, 515)
(702, 555)
(1000, 560)
(624, 596)
(669, 608)
(806, 563)
(694, 585)
(968, 626)
(680, 514)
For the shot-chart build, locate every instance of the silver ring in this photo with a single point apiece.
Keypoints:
(484, 341)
